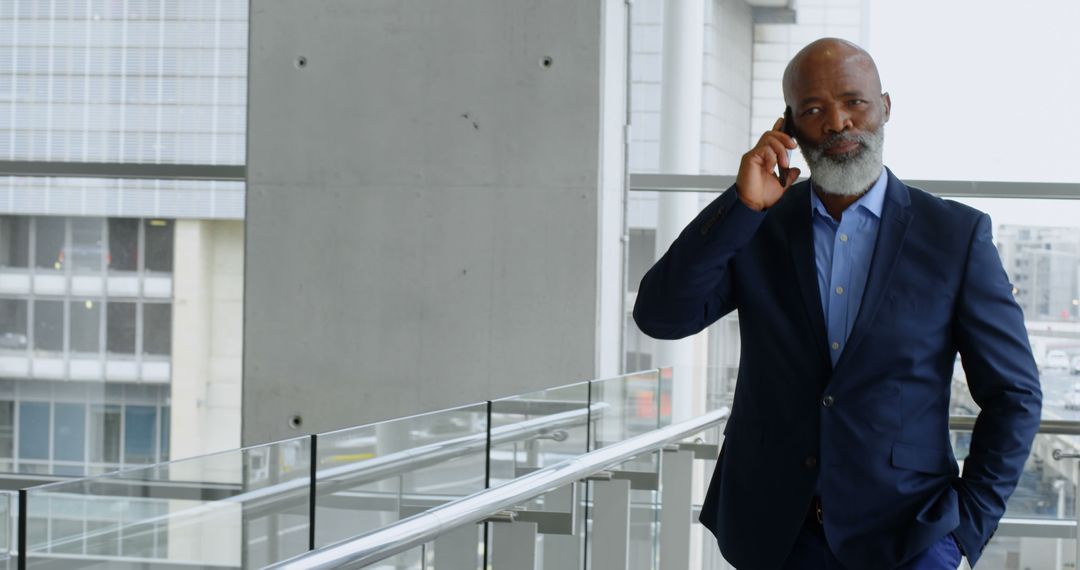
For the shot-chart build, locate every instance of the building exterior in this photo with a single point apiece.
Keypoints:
(120, 298)
(1043, 264)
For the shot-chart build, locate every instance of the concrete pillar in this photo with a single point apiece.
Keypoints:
(680, 153)
(433, 191)
(207, 337)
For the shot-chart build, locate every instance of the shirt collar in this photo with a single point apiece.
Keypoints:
(872, 200)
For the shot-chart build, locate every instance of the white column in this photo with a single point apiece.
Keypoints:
(680, 153)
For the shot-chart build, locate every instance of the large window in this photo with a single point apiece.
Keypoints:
(66, 429)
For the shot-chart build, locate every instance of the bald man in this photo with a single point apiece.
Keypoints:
(855, 293)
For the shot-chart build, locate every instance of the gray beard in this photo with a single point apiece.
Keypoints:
(851, 174)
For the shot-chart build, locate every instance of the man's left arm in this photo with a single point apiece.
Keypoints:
(1004, 382)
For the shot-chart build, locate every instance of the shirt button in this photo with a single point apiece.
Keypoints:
(836, 346)
(843, 237)
(839, 290)
(827, 401)
(811, 462)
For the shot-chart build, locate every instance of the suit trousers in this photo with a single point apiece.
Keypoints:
(811, 552)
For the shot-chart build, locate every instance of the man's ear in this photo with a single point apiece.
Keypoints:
(886, 101)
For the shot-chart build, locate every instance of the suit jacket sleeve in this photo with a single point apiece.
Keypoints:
(691, 285)
(1004, 382)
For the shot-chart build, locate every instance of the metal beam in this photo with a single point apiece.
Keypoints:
(228, 172)
(956, 188)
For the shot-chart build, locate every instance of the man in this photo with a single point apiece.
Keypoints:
(855, 293)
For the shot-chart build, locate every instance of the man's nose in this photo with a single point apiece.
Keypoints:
(837, 120)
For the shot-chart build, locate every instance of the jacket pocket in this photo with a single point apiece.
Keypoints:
(923, 459)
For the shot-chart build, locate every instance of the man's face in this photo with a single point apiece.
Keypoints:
(839, 113)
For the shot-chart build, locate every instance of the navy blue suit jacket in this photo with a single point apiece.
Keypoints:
(876, 426)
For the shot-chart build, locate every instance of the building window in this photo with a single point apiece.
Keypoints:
(69, 434)
(34, 430)
(13, 324)
(86, 254)
(105, 433)
(120, 330)
(50, 236)
(85, 325)
(139, 434)
(49, 326)
(14, 241)
(7, 434)
(123, 244)
(157, 328)
(159, 245)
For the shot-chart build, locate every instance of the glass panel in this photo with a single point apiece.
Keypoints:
(85, 326)
(630, 406)
(140, 423)
(50, 242)
(123, 244)
(157, 328)
(159, 245)
(177, 512)
(537, 430)
(87, 251)
(372, 475)
(120, 328)
(13, 324)
(1039, 245)
(34, 430)
(105, 434)
(69, 432)
(49, 326)
(1047, 486)
(14, 241)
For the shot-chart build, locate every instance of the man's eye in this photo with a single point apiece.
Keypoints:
(811, 111)
(856, 102)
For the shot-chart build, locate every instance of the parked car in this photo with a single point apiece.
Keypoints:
(1057, 359)
(1076, 365)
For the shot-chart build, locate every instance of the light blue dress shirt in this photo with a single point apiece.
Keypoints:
(842, 252)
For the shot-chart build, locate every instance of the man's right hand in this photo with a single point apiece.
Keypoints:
(758, 185)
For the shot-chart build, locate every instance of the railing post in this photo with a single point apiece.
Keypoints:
(312, 488)
(23, 554)
(610, 548)
(514, 545)
(457, 549)
(1076, 509)
(676, 473)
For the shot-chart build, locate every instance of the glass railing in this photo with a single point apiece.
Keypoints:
(266, 504)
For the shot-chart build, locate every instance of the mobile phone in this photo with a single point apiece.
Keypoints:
(788, 129)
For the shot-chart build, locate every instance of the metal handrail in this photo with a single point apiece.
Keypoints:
(280, 497)
(414, 531)
(1054, 427)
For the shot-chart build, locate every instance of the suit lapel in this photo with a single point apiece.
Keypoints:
(801, 246)
(895, 219)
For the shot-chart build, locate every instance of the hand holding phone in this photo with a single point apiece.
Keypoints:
(788, 129)
(758, 183)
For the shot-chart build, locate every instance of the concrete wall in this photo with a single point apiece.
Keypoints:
(425, 220)
(207, 337)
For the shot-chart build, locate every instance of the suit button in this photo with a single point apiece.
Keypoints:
(827, 401)
(811, 462)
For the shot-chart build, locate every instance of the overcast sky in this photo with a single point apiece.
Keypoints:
(983, 90)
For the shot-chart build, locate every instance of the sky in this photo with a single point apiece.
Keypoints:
(983, 90)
